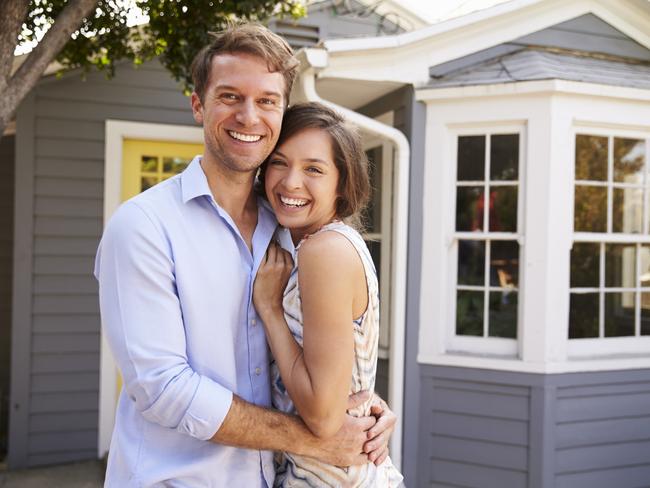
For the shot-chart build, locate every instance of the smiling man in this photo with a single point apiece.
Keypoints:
(176, 267)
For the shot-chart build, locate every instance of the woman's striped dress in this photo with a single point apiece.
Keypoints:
(298, 471)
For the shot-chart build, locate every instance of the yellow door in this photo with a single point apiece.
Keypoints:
(145, 163)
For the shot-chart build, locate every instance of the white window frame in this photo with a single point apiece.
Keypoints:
(582, 348)
(497, 346)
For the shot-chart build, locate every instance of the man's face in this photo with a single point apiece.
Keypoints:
(241, 112)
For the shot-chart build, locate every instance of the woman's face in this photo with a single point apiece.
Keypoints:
(301, 181)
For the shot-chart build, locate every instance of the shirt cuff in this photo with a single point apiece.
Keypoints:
(207, 411)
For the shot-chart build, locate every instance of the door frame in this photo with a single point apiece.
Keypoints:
(116, 131)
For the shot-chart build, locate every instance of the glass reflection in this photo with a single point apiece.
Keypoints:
(147, 182)
(469, 208)
(619, 314)
(471, 262)
(504, 157)
(583, 315)
(591, 158)
(627, 213)
(471, 158)
(174, 165)
(149, 164)
(372, 214)
(504, 264)
(644, 256)
(585, 264)
(503, 209)
(469, 313)
(503, 314)
(620, 265)
(375, 251)
(628, 160)
(590, 209)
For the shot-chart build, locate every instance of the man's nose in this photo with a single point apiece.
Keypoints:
(247, 114)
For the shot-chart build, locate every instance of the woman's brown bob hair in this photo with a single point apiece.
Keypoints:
(351, 162)
(248, 38)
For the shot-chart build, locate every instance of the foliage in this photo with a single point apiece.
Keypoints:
(176, 30)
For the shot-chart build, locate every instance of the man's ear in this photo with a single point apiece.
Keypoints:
(197, 108)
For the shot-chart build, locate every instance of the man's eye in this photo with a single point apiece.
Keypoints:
(228, 96)
(268, 101)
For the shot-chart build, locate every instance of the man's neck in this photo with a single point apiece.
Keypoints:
(233, 192)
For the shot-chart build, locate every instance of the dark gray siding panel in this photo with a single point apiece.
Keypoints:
(7, 165)
(483, 428)
(68, 121)
(587, 33)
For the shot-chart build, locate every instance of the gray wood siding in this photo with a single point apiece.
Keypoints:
(7, 155)
(68, 161)
(495, 429)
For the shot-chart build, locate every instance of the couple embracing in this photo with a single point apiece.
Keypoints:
(238, 337)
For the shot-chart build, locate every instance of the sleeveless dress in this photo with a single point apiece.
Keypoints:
(298, 471)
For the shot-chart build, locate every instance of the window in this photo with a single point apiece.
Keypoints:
(610, 256)
(486, 237)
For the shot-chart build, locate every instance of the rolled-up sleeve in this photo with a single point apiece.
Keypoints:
(143, 323)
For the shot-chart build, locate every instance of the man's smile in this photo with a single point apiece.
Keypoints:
(244, 137)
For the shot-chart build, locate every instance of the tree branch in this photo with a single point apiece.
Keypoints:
(12, 14)
(28, 74)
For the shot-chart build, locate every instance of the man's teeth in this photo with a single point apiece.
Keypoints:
(244, 137)
(294, 202)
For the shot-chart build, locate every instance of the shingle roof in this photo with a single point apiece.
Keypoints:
(532, 63)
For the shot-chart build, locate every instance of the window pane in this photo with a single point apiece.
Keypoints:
(504, 157)
(585, 264)
(620, 265)
(590, 209)
(645, 313)
(174, 165)
(591, 158)
(147, 182)
(503, 209)
(644, 278)
(504, 264)
(375, 251)
(628, 160)
(471, 262)
(619, 314)
(372, 214)
(627, 213)
(583, 315)
(469, 208)
(503, 314)
(149, 164)
(471, 158)
(469, 313)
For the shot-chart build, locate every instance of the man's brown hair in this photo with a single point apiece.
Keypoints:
(248, 38)
(353, 187)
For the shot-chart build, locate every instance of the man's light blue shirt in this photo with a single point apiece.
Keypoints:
(176, 281)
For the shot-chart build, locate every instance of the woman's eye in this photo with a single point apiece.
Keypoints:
(276, 162)
(313, 169)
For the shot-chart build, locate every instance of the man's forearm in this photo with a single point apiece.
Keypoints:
(252, 427)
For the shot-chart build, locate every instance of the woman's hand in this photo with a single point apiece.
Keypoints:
(272, 277)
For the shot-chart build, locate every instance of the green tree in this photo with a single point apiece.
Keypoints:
(89, 34)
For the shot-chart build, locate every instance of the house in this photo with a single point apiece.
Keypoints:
(76, 150)
(510, 149)
(519, 237)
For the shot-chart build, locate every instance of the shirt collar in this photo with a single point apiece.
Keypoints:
(194, 183)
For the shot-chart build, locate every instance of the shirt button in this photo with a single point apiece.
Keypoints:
(258, 371)
(253, 322)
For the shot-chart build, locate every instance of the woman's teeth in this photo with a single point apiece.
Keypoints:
(244, 137)
(293, 202)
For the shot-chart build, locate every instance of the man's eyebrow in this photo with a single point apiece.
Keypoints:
(267, 93)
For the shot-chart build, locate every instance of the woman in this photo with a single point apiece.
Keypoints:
(323, 330)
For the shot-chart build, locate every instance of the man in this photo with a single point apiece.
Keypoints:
(176, 267)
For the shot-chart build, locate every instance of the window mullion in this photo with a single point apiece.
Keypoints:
(610, 180)
(601, 293)
(486, 293)
(637, 294)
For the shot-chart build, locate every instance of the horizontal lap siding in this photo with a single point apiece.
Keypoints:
(68, 221)
(603, 433)
(475, 433)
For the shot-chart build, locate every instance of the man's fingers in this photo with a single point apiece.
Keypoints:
(356, 399)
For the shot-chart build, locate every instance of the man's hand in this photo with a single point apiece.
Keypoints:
(377, 445)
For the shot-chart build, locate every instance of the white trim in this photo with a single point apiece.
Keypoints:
(116, 131)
